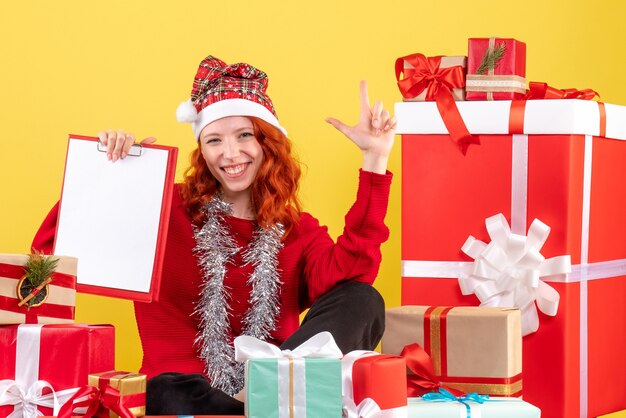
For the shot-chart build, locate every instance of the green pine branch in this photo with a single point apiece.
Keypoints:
(39, 267)
(492, 58)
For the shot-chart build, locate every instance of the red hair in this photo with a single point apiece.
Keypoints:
(274, 190)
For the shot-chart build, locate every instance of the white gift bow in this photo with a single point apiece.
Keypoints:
(367, 408)
(25, 392)
(27, 401)
(321, 345)
(507, 272)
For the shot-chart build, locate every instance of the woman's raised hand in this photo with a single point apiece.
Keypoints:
(373, 134)
(118, 143)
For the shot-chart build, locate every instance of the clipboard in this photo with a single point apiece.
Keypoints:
(114, 217)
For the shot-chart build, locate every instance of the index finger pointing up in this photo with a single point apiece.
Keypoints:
(365, 101)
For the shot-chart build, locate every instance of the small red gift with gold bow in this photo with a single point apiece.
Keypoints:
(110, 395)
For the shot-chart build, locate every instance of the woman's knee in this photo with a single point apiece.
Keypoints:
(360, 299)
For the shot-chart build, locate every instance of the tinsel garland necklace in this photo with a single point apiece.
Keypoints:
(215, 248)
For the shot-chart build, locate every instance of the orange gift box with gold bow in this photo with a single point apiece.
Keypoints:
(561, 161)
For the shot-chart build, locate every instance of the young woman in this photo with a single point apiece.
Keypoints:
(241, 255)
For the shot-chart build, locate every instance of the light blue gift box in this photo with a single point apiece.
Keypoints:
(311, 388)
(494, 407)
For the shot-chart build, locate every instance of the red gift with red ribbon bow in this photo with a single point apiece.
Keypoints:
(427, 75)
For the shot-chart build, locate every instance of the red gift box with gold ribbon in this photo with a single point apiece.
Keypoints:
(496, 69)
(58, 302)
(131, 389)
(39, 362)
(111, 394)
(561, 161)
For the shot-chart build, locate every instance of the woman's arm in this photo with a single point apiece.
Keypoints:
(356, 255)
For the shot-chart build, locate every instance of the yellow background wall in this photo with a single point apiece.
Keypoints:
(76, 66)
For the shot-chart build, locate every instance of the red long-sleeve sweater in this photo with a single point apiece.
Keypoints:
(310, 264)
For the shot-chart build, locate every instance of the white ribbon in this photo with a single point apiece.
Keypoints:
(25, 392)
(321, 345)
(453, 269)
(367, 408)
(509, 271)
(26, 402)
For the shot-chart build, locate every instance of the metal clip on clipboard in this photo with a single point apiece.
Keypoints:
(135, 151)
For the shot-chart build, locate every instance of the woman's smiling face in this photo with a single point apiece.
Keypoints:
(232, 153)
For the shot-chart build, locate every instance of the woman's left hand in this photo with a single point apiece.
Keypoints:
(373, 134)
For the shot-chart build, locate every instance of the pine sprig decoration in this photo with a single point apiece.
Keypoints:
(39, 267)
(492, 58)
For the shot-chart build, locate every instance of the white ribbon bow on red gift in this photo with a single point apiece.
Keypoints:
(25, 392)
(508, 271)
(27, 401)
(367, 408)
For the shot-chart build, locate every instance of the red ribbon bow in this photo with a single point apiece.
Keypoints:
(537, 90)
(541, 91)
(423, 380)
(426, 74)
(109, 398)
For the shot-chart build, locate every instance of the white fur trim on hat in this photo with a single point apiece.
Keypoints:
(233, 107)
(186, 112)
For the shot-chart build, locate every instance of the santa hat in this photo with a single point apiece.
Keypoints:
(221, 90)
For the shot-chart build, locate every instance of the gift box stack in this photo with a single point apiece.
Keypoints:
(48, 361)
(500, 193)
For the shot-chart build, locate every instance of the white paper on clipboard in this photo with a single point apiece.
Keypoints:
(111, 218)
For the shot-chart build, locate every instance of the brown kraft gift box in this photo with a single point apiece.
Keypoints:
(473, 349)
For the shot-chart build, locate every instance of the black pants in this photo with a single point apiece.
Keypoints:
(353, 312)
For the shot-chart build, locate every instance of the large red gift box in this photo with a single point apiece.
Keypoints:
(563, 162)
(37, 359)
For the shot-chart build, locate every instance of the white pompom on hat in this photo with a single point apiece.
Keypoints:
(186, 112)
(221, 90)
